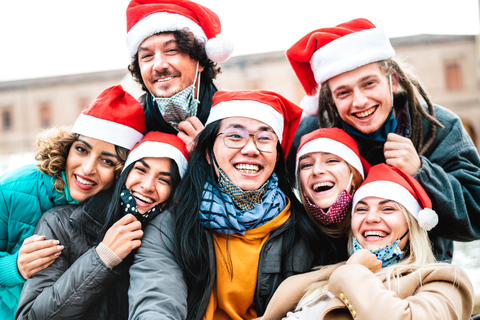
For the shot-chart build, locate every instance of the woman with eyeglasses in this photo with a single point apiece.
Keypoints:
(236, 229)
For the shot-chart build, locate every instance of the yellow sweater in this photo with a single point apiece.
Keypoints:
(233, 292)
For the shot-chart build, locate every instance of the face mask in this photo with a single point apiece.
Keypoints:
(180, 106)
(389, 255)
(337, 211)
(129, 205)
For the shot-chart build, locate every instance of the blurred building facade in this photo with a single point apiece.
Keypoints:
(447, 65)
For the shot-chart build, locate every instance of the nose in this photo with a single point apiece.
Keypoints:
(250, 147)
(159, 62)
(89, 166)
(373, 216)
(359, 98)
(148, 184)
(318, 169)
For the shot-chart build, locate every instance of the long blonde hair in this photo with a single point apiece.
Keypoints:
(418, 254)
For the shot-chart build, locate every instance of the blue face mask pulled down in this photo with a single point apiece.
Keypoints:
(389, 254)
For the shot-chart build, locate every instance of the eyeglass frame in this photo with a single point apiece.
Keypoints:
(247, 138)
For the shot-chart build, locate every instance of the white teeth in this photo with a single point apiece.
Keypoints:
(324, 184)
(84, 182)
(164, 79)
(366, 113)
(142, 198)
(247, 168)
(380, 234)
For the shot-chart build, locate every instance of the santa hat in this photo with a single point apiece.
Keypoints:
(334, 141)
(262, 105)
(384, 181)
(328, 52)
(148, 17)
(115, 117)
(160, 145)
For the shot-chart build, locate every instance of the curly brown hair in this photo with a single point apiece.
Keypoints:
(409, 86)
(189, 44)
(54, 145)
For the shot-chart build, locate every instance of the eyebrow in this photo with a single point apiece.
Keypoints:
(162, 172)
(240, 126)
(105, 153)
(166, 43)
(381, 202)
(361, 80)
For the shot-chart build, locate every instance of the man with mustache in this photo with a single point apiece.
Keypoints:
(175, 46)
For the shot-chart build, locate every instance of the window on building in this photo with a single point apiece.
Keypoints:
(7, 121)
(45, 115)
(453, 75)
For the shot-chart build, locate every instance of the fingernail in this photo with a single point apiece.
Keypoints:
(60, 248)
(39, 237)
(56, 242)
(57, 254)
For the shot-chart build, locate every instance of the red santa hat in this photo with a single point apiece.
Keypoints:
(262, 105)
(334, 141)
(160, 145)
(115, 117)
(384, 181)
(328, 52)
(148, 17)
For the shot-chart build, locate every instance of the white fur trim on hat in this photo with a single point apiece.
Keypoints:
(333, 147)
(249, 109)
(108, 131)
(350, 52)
(160, 22)
(153, 149)
(388, 190)
(309, 104)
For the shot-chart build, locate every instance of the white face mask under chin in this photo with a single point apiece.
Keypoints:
(181, 105)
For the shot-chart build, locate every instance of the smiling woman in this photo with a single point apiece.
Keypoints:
(72, 167)
(234, 217)
(391, 259)
(100, 238)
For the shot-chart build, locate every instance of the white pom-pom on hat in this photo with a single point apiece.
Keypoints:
(309, 104)
(427, 219)
(219, 49)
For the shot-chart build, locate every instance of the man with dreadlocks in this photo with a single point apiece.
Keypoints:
(352, 82)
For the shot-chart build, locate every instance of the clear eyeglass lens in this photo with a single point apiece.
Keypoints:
(237, 138)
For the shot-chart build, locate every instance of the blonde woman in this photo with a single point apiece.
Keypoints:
(392, 270)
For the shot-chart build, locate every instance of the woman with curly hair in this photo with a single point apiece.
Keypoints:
(72, 167)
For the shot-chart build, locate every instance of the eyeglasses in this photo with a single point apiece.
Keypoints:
(237, 138)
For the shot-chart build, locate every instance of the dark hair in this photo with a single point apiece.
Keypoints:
(189, 44)
(114, 304)
(409, 86)
(190, 241)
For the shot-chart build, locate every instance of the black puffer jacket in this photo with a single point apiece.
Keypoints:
(78, 284)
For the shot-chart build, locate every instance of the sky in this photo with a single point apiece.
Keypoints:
(57, 37)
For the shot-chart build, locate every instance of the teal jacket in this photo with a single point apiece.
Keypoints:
(25, 194)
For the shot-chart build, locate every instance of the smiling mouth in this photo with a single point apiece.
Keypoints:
(142, 198)
(84, 182)
(323, 186)
(247, 168)
(164, 79)
(366, 113)
(374, 234)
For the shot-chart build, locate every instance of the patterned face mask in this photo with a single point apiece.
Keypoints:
(336, 213)
(389, 255)
(244, 200)
(129, 205)
(180, 106)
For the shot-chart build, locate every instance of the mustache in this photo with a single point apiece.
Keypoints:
(166, 73)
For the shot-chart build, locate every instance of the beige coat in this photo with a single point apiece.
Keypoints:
(439, 291)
